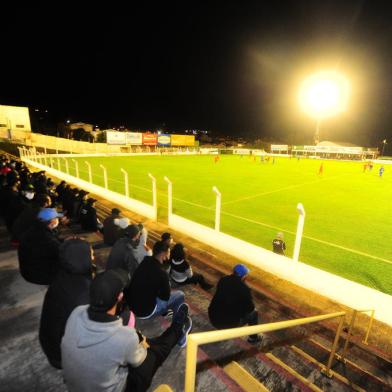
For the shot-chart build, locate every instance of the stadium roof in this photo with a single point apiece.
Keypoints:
(336, 144)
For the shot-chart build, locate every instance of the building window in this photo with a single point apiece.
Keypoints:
(19, 126)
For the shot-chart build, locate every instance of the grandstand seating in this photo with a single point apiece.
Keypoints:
(287, 360)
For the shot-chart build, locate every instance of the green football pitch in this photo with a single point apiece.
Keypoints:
(348, 212)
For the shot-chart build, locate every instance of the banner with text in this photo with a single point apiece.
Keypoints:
(182, 140)
(134, 138)
(113, 137)
(150, 139)
(164, 140)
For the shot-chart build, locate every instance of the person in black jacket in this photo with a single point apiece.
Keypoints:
(28, 216)
(111, 231)
(69, 289)
(232, 305)
(38, 250)
(180, 270)
(88, 216)
(149, 293)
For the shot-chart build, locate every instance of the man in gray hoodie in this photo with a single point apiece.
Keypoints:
(100, 354)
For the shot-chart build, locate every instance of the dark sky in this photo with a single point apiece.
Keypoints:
(230, 67)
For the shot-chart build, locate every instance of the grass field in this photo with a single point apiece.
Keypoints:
(349, 213)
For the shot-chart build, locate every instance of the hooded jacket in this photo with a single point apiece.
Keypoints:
(38, 254)
(69, 289)
(96, 355)
(122, 256)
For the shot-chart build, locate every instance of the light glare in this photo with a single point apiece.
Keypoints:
(324, 94)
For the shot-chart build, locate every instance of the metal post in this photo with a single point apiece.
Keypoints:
(327, 369)
(154, 194)
(51, 161)
(90, 176)
(45, 151)
(126, 184)
(76, 167)
(190, 364)
(369, 327)
(169, 198)
(300, 229)
(58, 164)
(349, 334)
(317, 133)
(217, 207)
(66, 165)
(105, 176)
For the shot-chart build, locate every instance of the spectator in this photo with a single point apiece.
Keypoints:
(88, 216)
(17, 204)
(100, 354)
(142, 250)
(278, 245)
(38, 251)
(149, 293)
(232, 305)
(69, 289)
(180, 270)
(9, 193)
(122, 254)
(111, 231)
(27, 217)
(167, 239)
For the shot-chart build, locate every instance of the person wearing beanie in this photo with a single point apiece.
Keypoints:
(69, 289)
(278, 244)
(88, 216)
(149, 293)
(180, 270)
(99, 353)
(38, 251)
(111, 230)
(232, 305)
(122, 254)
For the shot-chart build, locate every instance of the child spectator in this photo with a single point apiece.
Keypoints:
(180, 270)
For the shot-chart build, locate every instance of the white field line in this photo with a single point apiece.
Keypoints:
(310, 238)
(282, 189)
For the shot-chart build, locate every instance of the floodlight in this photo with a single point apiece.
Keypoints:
(324, 94)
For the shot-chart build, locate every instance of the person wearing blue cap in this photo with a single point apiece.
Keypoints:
(232, 305)
(38, 251)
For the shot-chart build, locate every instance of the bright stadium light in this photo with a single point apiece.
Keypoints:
(324, 94)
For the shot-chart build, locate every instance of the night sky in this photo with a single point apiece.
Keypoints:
(230, 67)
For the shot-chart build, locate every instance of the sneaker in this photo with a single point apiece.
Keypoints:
(254, 339)
(168, 314)
(181, 315)
(187, 327)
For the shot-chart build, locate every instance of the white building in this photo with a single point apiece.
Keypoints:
(14, 118)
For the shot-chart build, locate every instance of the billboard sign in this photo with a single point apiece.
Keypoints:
(164, 140)
(113, 137)
(182, 140)
(279, 147)
(134, 138)
(150, 139)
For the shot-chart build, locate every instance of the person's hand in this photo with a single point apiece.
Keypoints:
(144, 343)
(147, 248)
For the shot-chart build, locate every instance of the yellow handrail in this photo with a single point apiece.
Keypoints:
(196, 339)
(342, 357)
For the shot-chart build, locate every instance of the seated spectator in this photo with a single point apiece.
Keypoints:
(142, 250)
(69, 289)
(180, 270)
(278, 245)
(100, 354)
(17, 204)
(232, 305)
(149, 293)
(38, 250)
(167, 239)
(111, 231)
(27, 217)
(88, 216)
(122, 254)
(8, 194)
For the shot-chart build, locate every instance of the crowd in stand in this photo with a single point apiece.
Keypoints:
(88, 319)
